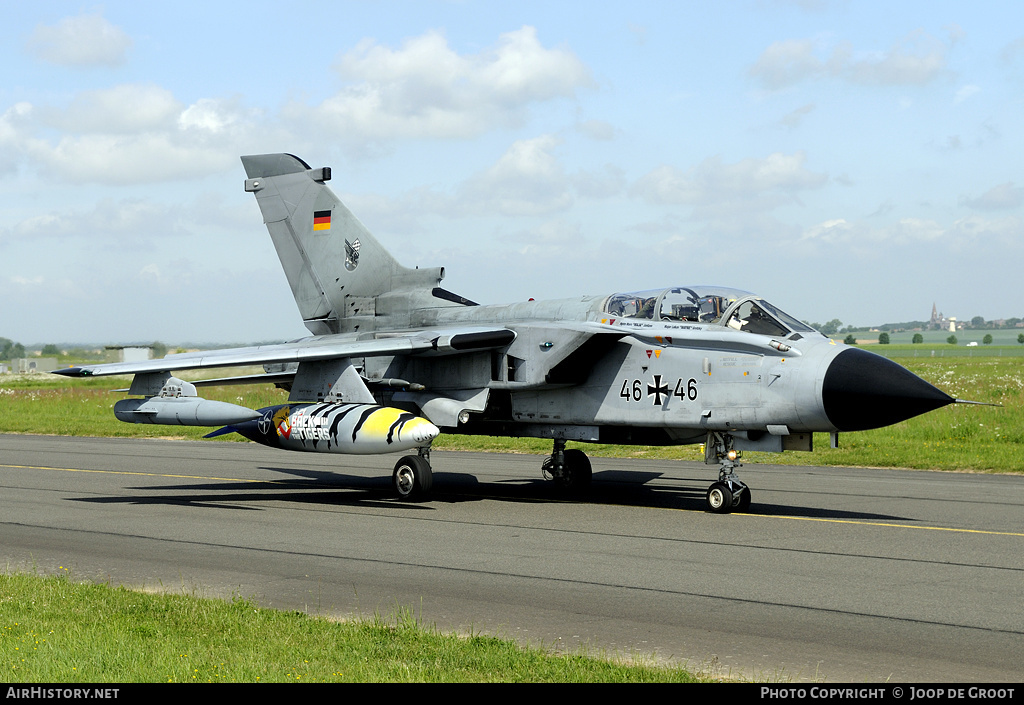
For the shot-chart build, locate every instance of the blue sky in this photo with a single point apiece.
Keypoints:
(846, 160)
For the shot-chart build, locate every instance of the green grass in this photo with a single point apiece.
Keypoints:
(894, 351)
(56, 630)
(958, 437)
(54, 405)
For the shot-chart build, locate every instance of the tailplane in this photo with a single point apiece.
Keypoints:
(337, 270)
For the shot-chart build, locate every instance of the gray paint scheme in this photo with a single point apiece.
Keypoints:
(678, 365)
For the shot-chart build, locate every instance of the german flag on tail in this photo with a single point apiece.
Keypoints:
(321, 220)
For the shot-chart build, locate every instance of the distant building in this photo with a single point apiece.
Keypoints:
(28, 365)
(129, 353)
(940, 322)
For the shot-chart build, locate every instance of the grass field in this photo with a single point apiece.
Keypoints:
(56, 630)
(937, 338)
(957, 437)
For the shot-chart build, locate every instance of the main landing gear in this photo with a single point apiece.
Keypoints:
(728, 494)
(413, 478)
(570, 469)
(571, 472)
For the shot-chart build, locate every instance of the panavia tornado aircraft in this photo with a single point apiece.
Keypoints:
(394, 360)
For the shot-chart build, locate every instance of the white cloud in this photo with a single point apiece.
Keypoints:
(734, 203)
(212, 116)
(713, 182)
(998, 197)
(793, 119)
(16, 122)
(86, 40)
(1001, 236)
(608, 182)
(125, 134)
(787, 62)
(527, 180)
(916, 59)
(426, 89)
(128, 159)
(122, 109)
(129, 223)
(133, 133)
(835, 230)
(121, 220)
(973, 233)
(28, 281)
(550, 239)
(964, 93)
(597, 130)
(12, 131)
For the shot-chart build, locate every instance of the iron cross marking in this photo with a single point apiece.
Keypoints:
(657, 390)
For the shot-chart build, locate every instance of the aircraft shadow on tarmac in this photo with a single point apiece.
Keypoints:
(314, 487)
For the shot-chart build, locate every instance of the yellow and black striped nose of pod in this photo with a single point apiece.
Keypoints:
(397, 429)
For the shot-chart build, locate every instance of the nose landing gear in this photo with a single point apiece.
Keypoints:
(729, 494)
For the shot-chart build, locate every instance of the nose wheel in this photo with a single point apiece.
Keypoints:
(728, 494)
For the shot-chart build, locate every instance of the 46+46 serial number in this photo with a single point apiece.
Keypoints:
(633, 390)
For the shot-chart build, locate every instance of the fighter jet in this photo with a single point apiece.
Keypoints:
(394, 360)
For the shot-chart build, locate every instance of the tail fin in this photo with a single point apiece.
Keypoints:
(337, 270)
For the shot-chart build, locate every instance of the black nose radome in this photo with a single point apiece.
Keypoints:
(863, 390)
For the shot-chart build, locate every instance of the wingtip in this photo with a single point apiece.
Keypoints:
(72, 372)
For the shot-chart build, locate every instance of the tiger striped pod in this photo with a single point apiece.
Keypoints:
(362, 429)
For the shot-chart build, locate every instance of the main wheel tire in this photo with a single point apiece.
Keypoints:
(412, 478)
(578, 472)
(719, 498)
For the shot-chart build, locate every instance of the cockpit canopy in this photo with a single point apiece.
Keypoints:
(707, 304)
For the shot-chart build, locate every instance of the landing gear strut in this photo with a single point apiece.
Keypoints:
(728, 494)
(570, 469)
(413, 478)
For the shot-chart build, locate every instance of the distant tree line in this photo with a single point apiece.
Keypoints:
(979, 322)
(833, 327)
(830, 328)
(9, 350)
(975, 323)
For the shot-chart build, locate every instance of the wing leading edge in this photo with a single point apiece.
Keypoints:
(311, 350)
